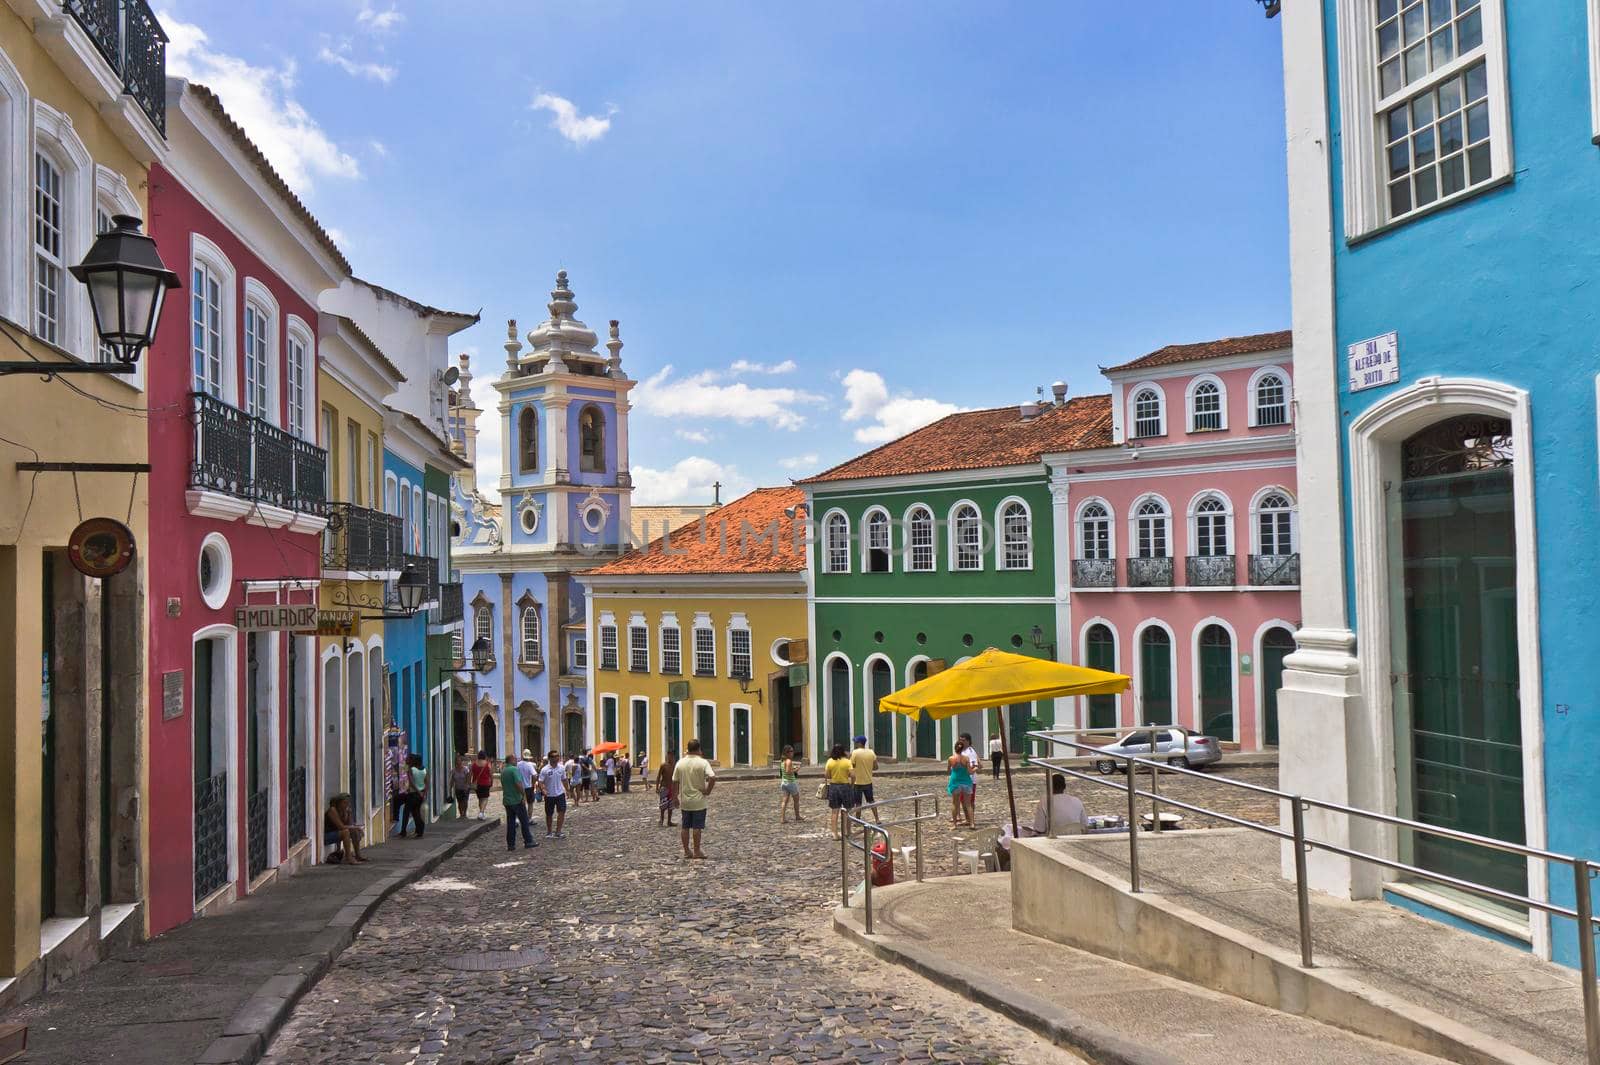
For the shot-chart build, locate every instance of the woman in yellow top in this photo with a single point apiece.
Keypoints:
(841, 788)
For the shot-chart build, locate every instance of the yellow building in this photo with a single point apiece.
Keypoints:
(360, 552)
(75, 149)
(695, 636)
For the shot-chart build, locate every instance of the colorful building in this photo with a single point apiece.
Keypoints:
(564, 507)
(237, 493)
(1442, 260)
(701, 634)
(78, 134)
(1183, 544)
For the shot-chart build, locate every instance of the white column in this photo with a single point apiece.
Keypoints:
(555, 414)
(1061, 542)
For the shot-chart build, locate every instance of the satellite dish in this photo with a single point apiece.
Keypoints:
(451, 375)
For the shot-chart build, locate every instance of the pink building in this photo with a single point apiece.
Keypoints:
(236, 511)
(1182, 540)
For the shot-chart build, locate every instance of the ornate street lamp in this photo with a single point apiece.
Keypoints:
(410, 589)
(127, 284)
(480, 655)
(1041, 643)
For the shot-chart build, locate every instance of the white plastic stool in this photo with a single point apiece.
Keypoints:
(907, 852)
(971, 858)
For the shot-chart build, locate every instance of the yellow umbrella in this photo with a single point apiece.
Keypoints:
(997, 678)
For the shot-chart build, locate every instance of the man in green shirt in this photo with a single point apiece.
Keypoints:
(515, 801)
(695, 779)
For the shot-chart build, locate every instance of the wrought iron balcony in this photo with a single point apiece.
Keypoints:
(243, 456)
(1212, 571)
(361, 540)
(1275, 571)
(1094, 573)
(429, 568)
(1150, 573)
(131, 40)
(449, 609)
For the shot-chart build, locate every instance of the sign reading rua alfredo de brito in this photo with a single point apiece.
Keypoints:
(1374, 362)
(275, 618)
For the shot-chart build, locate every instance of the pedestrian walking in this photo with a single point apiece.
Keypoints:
(974, 763)
(586, 763)
(625, 767)
(961, 785)
(666, 792)
(528, 770)
(553, 786)
(515, 800)
(482, 780)
(416, 785)
(569, 766)
(610, 767)
(461, 784)
(863, 763)
(695, 778)
(841, 790)
(997, 752)
(788, 788)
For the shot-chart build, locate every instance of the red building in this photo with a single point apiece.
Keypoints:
(236, 517)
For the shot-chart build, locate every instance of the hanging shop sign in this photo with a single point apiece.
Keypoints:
(1374, 362)
(275, 617)
(100, 547)
(799, 676)
(331, 623)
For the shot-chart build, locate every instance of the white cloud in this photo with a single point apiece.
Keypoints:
(706, 395)
(746, 366)
(357, 68)
(338, 236)
(697, 436)
(378, 148)
(579, 129)
(687, 481)
(261, 100)
(800, 462)
(867, 399)
(369, 18)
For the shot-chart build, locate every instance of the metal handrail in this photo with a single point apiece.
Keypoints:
(1583, 870)
(881, 828)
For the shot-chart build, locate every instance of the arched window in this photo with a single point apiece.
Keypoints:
(1147, 413)
(527, 441)
(1211, 527)
(1275, 525)
(530, 634)
(1206, 407)
(1016, 536)
(919, 534)
(1152, 530)
(878, 542)
(1094, 531)
(49, 267)
(836, 559)
(259, 370)
(483, 624)
(591, 440)
(1270, 400)
(966, 533)
(1211, 563)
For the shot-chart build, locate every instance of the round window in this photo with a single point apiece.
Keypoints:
(922, 637)
(1016, 640)
(780, 651)
(594, 519)
(530, 520)
(967, 639)
(215, 570)
(878, 636)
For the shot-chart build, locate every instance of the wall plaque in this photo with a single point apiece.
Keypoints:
(172, 694)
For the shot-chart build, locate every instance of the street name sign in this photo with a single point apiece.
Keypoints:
(1374, 362)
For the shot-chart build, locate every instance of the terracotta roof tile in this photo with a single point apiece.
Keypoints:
(663, 519)
(1210, 349)
(981, 439)
(735, 538)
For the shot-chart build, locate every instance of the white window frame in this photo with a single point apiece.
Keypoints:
(638, 644)
(1366, 188)
(1227, 523)
(296, 331)
(55, 137)
(580, 652)
(1133, 525)
(203, 253)
(1257, 509)
(1133, 407)
(739, 623)
(674, 664)
(702, 624)
(483, 624)
(1001, 540)
(530, 618)
(833, 541)
(608, 635)
(955, 536)
(867, 536)
(1079, 543)
(259, 299)
(418, 529)
(911, 564)
(16, 225)
(1254, 398)
(1192, 391)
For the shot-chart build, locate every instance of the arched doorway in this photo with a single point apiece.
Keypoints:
(332, 693)
(741, 735)
(672, 729)
(572, 731)
(1155, 676)
(880, 678)
(1215, 668)
(460, 725)
(355, 664)
(838, 702)
(530, 740)
(1100, 652)
(926, 740)
(488, 735)
(1276, 645)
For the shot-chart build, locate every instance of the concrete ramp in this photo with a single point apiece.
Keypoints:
(1214, 912)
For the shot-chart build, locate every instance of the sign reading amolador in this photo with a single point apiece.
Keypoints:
(275, 618)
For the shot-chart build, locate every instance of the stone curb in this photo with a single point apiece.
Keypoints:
(245, 1037)
(1061, 1026)
(1252, 760)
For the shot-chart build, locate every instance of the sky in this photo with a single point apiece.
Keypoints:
(821, 225)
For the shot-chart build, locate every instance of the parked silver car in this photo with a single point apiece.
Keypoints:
(1181, 747)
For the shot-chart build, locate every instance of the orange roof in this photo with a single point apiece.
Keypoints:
(736, 538)
(981, 439)
(1210, 349)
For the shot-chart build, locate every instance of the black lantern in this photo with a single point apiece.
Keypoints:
(1271, 7)
(411, 588)
(127, 283)
(480, 655)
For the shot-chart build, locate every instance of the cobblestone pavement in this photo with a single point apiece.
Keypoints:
(632, 954)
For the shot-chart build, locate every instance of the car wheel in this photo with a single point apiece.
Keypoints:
(1105, 767)
(1181, 762)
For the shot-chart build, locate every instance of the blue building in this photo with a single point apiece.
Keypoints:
(564, 508)
(1445, 249)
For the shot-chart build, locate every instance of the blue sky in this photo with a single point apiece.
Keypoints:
(820, 224)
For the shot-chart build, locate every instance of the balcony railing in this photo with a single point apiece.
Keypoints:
(449, 610)
(361, 540)
(1150, 573)
(1275, 571)
(130, 39)
(429, 568)
(244, 456)
(1094, 573)
(1212, 571)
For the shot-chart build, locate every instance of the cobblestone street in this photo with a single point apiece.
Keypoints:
(634, 955)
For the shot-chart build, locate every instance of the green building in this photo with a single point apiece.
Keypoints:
(930, 549)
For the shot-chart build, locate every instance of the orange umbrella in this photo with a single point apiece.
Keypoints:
(606, 748)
